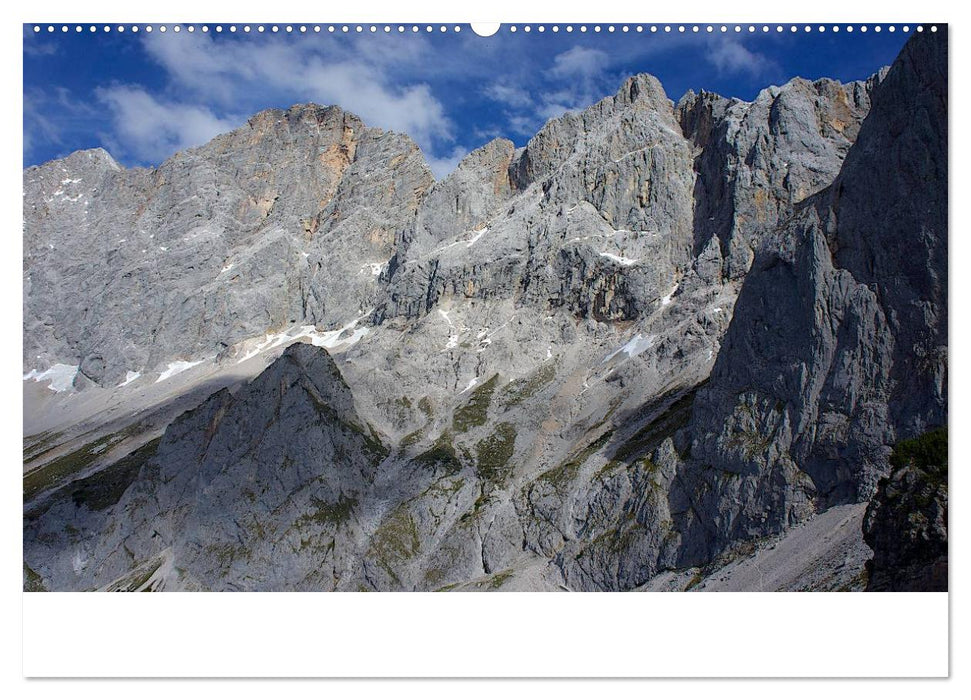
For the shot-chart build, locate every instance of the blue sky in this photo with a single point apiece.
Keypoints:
(144, 96)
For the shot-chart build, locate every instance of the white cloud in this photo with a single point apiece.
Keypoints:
(579, 62)
(152, 130)
(581, 78)
(511, 95)
(728, 56)
(50, 117)
(362, 82)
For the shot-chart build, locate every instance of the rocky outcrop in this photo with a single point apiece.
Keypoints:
(593, 216)
(906, 521)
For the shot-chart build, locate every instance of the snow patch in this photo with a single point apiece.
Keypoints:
(177, 367)
(453, 338)
(227, 268)
(620, 260)
(333, 339)
(443, 248)
(375, 268)
(634, 347)
(130, 377)
(60, 376)
(321, 339)
(78, 561)
(272, 340)
(666, 299)
(478, 234)
(472, 383)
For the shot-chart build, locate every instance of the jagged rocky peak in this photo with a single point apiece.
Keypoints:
(698, 114)
(465, 199)
(90, 158)
(756, 160)
(567, 223)
(639, 112)
(246, 491)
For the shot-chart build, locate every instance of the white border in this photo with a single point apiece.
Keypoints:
(468, 635)
(579, 635)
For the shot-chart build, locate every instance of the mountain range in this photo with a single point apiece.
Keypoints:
(652, 349)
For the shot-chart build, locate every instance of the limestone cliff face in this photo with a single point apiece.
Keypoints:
(655, 332)
(593, 216)
(756, 160)
(278, 223)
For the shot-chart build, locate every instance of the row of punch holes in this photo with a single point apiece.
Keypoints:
(414, 28)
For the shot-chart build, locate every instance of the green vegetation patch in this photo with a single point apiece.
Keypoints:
(499, 579)
(617, 541)
(36, 445)
(396, 539)
(470, 516)
(648, 438)
(927, 452)
(105, 488)
(751, 442)
(475, 411)
(33, 582)
(441, 455)
(325, 513)
(494, 452)
(560, 476)
(372, 441)
(61, 468)
(412, 438)
(522, 389)
(138, 577)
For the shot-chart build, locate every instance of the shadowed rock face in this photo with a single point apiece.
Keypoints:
(906, 522)
(245, 492)
(838, 345)
(653, 333)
